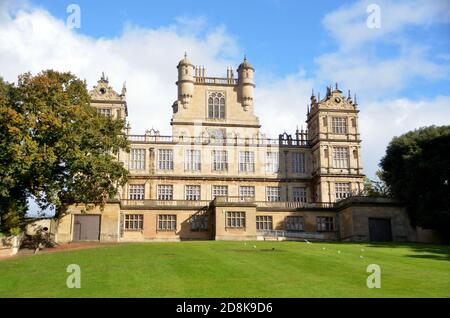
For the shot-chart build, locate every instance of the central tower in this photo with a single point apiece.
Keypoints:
(214, 106)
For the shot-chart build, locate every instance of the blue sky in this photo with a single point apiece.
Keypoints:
(279, 36)
(400, 71)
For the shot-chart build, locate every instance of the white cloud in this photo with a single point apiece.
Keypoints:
(357, 61)
(348, 23)
(382, 120)
(33, 40)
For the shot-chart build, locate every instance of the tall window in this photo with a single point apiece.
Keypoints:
(272, 162)
(220, 160)
(165, 192)
(325, 223)
(246, 161)
(246, 192)
(342, 190)
(339, 125)
(273, 193)
(165, 159)
(340, 157)
(192, 160)
(295, 223)
(167, 222)
(298, 162)
(137, 159)
(199, 223)
(136, 192)
(299, 194)
(192, 192)
(263, 222)
(219, 191)
(216, 105)
(235, 219)
(134, 222)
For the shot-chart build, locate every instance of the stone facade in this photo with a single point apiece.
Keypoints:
(218, 177)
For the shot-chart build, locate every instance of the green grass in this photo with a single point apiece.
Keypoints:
(233, 269)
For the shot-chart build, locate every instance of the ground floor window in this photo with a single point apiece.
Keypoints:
(134, 222)
(235, 219)
(199, 223)
(167, 222)
(263, 222)
(325, 223)
(294, 223)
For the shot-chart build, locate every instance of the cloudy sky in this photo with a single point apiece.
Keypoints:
(399, 65)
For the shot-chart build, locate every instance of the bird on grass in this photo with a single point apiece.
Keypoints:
(308, 241)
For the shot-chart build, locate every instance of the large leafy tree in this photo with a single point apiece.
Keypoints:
(416, 168)
(55, 146)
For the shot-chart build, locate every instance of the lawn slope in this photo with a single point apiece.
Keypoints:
(233, 269)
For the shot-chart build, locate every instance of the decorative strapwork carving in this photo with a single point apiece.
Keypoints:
(102, 91)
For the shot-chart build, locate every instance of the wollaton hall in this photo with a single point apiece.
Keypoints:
(218, 177)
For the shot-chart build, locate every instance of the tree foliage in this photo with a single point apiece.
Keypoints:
(55, 146)
(416, 168)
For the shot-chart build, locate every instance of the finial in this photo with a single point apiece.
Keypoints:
(185, 54)
(124, 88)
(355, 102)
(349, 96)
(245, 57)
(336, 86)
(312, 93)
(318, 96)
(103, 76)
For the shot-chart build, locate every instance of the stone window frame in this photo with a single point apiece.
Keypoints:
(133, 222)
(192, 192)
(339, 125)
(167, 222)
(165, 159)
(222, 113)
(341, 158)
(193, 160)
(295, 223)
(164, 192)
(137, 158)
(264, 223)
(235, 219)
(136, 191)
(325, 224)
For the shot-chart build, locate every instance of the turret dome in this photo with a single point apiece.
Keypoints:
(246, 64)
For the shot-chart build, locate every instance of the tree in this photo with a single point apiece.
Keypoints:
(416, 168)
(55, 146)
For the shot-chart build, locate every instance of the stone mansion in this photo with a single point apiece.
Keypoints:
(218, 177)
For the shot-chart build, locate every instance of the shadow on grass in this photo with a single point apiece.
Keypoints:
(425, 251)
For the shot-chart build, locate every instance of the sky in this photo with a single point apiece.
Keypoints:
(396, 57)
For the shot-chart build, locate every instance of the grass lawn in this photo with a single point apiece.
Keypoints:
(233, 269)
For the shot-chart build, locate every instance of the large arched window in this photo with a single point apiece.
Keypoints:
(216, 105)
